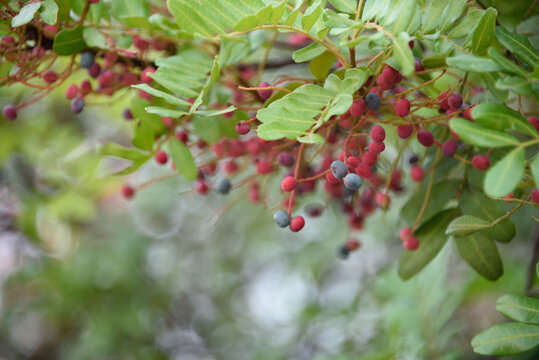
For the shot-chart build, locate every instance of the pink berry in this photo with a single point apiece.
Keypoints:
(383, 200)
(71, 91)
(145, 75)
(370, 157)
(364, 170)
(405, 233)
(201, 187)
(480, 162)
(390, 74)
(411, 243)
(358, 107)
(85, 87)
(535, 195)
(264, 167)
(105, 80)
(161, 157)
(449, 148)
(265, 94)
(534, 121)
(9, 112)
(352, 244)
(297, 223)
(378, 133)
(288, 183)
(377, 147)
(404, 131)
(183, 136)
(454, 101)
(417, 173)
(285, 159)
(402, 107)
(50, 77)
(425, 138)
(128, 191)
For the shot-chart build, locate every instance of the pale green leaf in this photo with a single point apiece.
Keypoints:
(504, 176)
(467, 25)
(490, 80)
(26, 14)
(534, 167)
(506, 339)
(403, 54)
(500, 117)
(182, 158)
(48, 12)
(94, 38)
(520, 308)
(515, 84)
(345, 6)
(478, 135)
(308, 53)
(473, 64)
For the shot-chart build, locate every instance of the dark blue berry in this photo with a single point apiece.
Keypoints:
(77, 105)
(343, 252)
(373, 101)
(223, 186)
(87, 59)
(338, 169)
(281, 218)
(352, 181)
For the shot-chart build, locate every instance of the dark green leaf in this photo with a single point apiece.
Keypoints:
(69, 41)
(182, 158)
(467, 25)
(518, 45)
(465, 225)
(506, 64)
(116, 150)
(441, 193)
(481, 253)
(504, 176)
(432, 238)
(520, 308)
(434, 61)
(321, 65)
(534, 167)
(483, 34)
(515, 84)
(478, 135)
(506, 339)
(473, 64)
(500, 117)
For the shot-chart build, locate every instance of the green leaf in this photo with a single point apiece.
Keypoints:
(345, 6)
(481, 253)
(467, 25)
(164, 112)
(144, 135)
(26, 14)
(434, 61)
(94, 38)
(534, 167)
(478, 135)
(267, 15)
(504, 177)
(48, 12)
(473, 64)
(308, 53)
(473, 201)
(490, 80)
(403, 54)
(171, 99)
(321, 65)
(292, 115)
(432, 17)
(518, 45)
(213, 76)
(116, 150)
(515, 84)
(69, 41)
(506, 339)
(441, 193)
(137, 22)
(452, 12)
(520, 308)
(311, 139)
(311, 15)
(129, 8)
(333, 20)
(500, 117)
(209, 17)
(483, 34)
(506, 64)
(182, 158)
(465, 225)
(432, 238)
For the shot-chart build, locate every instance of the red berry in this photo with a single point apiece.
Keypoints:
(377, 147)
(364, 170)
(405, 233)
(378, 133)
(454, 101)
(352, 244)
(449, 148)
(161, 157)
(129, 79)
(140, 43)
(352, 162)
(404, 131)
(297, 223)
(85, 87)
(50, 77)
(418, 66)
(535, 195)
(411, 243)
(128, 191)
(390, 74)
(288, 183)
(145, 75)
(242, 128)
(265, 94)
(330, 178)
(9, 112)
(402, 107)
(71, 92)
(384, 83)
(480, 162)
(383, 200)
(201, 187)
(358, 107)
(264, 167)
(183, 136)
(417, 173)
(230, 167)
(370, 157)
(425, 138)
(534, 121)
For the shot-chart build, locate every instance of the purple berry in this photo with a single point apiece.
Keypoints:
(9, 112)
(77, 105)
